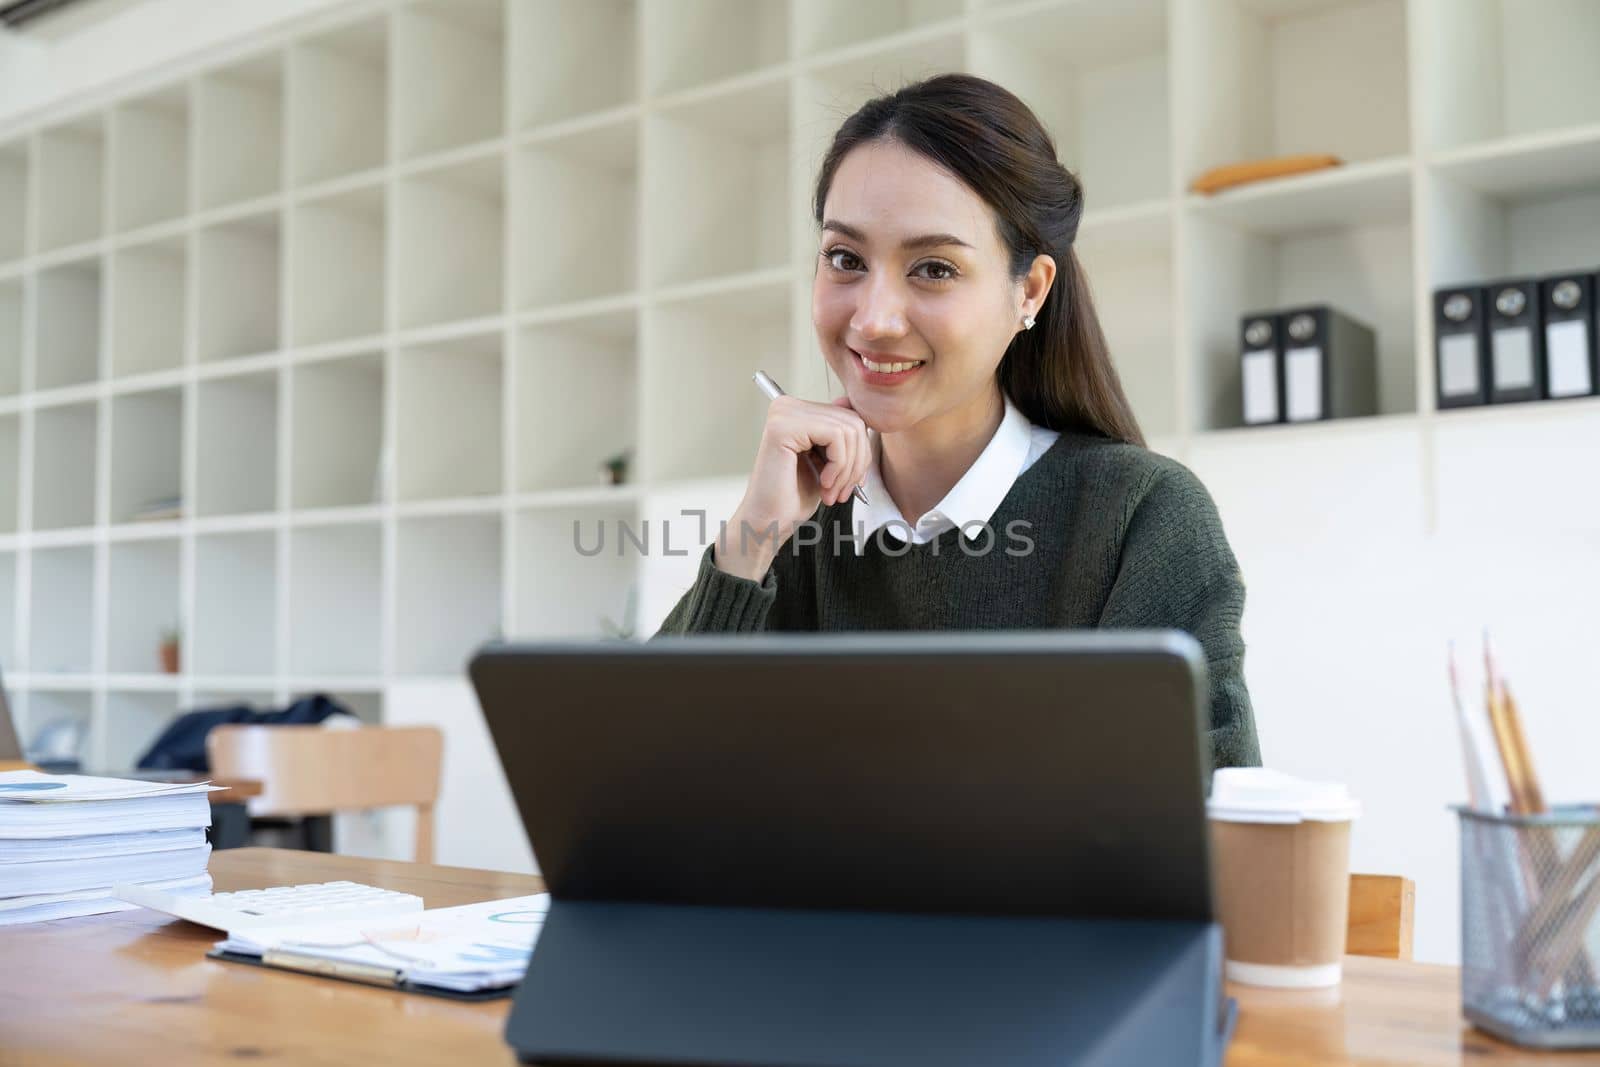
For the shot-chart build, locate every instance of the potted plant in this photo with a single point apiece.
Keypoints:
(169, 649)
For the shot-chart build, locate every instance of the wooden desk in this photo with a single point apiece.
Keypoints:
(136, 988)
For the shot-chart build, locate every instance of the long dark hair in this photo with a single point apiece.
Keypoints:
(1059, 373)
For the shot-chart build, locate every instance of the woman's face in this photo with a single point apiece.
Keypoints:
(911, 271)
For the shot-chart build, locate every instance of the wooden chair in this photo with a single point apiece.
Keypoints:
(1382, 909)
(311, 770)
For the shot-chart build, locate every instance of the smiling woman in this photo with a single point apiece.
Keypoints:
(979, 396)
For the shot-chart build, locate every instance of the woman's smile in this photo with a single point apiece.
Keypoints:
(885, 368)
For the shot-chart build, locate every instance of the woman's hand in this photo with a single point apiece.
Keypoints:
(782, 492)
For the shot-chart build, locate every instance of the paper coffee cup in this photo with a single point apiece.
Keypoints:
(1280, 851)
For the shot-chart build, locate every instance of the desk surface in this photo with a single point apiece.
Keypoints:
(136, 987)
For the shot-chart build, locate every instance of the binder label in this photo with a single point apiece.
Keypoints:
(1458, 365)
(1567, 356)
(1303, 383)
(1260, 386)
(1513, 358)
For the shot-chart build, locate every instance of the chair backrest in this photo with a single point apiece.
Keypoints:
(312, 770)
(1382, 911)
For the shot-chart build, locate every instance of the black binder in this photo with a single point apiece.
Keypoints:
(1260, 369)
(1460, 347)
(1516, 341)
(1329, 365)
(1571, 347)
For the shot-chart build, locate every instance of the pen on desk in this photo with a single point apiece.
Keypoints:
(765, 383)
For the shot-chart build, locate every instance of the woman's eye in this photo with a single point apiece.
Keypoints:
(840, 259)
(939, 272)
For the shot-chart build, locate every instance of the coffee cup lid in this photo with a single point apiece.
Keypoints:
(1256, 794)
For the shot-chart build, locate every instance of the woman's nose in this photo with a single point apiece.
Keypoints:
(881, 310)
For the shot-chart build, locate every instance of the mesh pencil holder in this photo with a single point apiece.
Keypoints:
(1530, 926)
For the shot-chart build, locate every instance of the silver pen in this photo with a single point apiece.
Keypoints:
(764, 381)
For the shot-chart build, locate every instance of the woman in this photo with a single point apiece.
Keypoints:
(1006, 483)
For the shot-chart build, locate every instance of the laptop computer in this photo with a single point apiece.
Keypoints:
(825, 849)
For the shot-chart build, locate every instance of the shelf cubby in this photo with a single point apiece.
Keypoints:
(67, 716)
(337, 268)
(12, 296)
(64, 446)
(338, 102)
(830, 94)
(1486, 227)
(9, 653)
(238, 466)
(689, 517)
(719, 168)
(336, 600)
(451, 237)
(577, 567)
(144, 604)
(238, 288)
(10, 477)
(146, 455)
(337, 438)
(721, 338)
(14, 200)
(239, 132)
(577, 399)
(71, 183)
(67, 346)
(234, 629)
(587, 67)
(148, 304)
(448, 595)
(217, 693)
(449, 75)
(449, 401)
(150, 145)
(1274, 77)
(576, 230)
(1504, 69)
(1096, 74)
(1363, 270)
(134, 719)
(749, 35)
(1141, 333)
(823, 25)
(61, 620)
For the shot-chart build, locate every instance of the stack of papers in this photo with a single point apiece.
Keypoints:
(465, 950)
(66, 839)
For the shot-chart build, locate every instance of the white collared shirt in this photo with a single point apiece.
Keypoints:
(1015, 446)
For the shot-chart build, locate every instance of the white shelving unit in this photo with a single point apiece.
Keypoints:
(314, 349)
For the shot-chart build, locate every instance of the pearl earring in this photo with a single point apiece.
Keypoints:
(1027, 322)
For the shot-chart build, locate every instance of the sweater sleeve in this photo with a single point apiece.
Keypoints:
(720, 602)
(1177, 571)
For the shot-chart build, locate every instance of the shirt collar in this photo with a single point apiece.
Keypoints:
(973, 499)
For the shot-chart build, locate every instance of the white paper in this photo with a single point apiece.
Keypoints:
(1567, 357)
(1513, 358)
(33, 787)
(1302, 371)
(476, 946)
(1458, 365)
(98, 901)
(1260, 369)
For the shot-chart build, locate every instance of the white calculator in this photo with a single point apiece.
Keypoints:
(250, 909)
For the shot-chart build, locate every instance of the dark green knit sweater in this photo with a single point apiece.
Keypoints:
(1120, 538)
